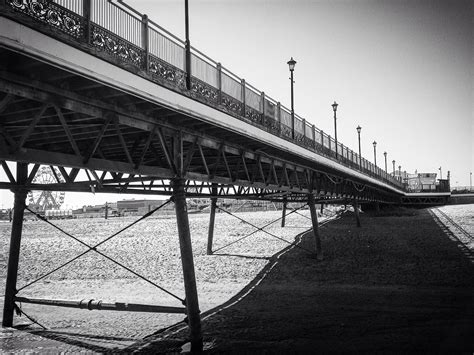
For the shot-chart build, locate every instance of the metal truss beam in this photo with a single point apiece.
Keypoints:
(92, 135)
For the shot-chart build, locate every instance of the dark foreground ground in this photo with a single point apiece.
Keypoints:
(396, 285)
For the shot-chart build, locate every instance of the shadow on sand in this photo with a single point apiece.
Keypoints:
(398, 284)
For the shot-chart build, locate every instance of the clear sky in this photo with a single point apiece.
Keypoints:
(403, 70)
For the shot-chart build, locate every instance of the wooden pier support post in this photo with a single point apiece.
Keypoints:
(15, 243)
(212, 219)
(283, 213)
(356, 212)
(192, 303)
(314, 219)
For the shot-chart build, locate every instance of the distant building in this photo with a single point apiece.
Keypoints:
(422, 182)
(137, 207)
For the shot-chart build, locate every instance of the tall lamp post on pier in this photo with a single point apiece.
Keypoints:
(385, 155)
(375, 153)
(470, 181)
(334, 108)
(291, 64)
(187, 45)
(440, 173)
(358, 136)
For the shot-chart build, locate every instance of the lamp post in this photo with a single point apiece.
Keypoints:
(470, 181)
(334, 108)
(291, 64)
(393, 162)
(440, 173)
(375, 153)
(358, 135)
(385, 155)
(187, 45)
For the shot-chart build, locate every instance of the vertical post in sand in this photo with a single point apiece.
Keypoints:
(314, 219)
(377, 206)
(356, 211)
(15, 243)
(192, 303)
(212, 219)
(283, 213)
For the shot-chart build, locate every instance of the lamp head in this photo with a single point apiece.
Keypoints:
(334, 106)
(291, 64)
(375, 143)
(358, 129)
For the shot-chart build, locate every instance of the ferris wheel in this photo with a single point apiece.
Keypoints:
(46, 200)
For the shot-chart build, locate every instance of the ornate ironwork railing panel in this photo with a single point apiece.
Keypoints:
(271, 125)
(253, 115)
(51, 14)
(204, 92)
(309, 143)
(286, 131)
(165, 73)
(117, 46)
(231, 105)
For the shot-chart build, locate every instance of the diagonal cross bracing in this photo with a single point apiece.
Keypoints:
(262, 229)
(94, 248)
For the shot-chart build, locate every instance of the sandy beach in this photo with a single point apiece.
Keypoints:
(398, 284)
